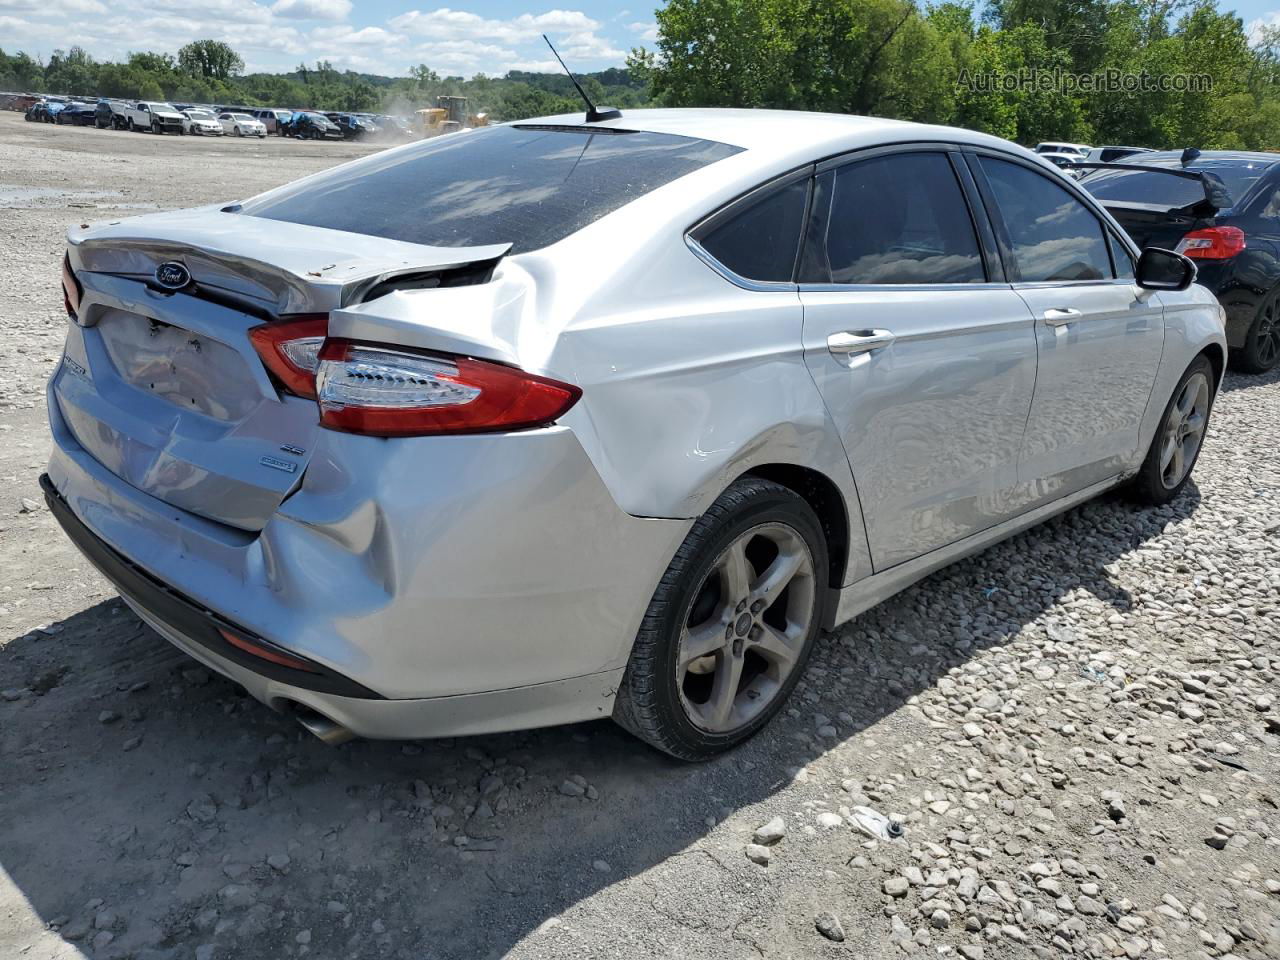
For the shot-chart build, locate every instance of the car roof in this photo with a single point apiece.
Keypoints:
(774, 130)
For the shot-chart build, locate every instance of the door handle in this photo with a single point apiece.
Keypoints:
(1057, 316)
(848, 343)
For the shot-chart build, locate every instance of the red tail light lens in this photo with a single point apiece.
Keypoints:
(1212, 243)
(264, 651)
(290, 349)
(71, 289)
(385, 392)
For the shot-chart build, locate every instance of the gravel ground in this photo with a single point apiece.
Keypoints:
(1078, 729)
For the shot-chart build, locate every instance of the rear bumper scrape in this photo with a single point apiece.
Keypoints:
(182, 616)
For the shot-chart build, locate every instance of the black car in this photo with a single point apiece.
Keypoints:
(312, 126)
(109, 114)
(1220, 208)
(78, 114)
(352, 126)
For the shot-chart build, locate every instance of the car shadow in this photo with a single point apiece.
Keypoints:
(198, 816)
(1234, 380)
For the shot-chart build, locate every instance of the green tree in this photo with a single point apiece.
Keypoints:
(211, 59)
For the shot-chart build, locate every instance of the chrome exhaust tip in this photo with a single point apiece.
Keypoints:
(321, 726)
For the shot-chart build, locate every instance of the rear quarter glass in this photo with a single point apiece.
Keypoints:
(526, 185)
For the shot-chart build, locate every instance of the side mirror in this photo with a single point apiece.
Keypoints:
(1165, 270)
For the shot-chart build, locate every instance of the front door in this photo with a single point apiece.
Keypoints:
(925, 357)
(1100, 336)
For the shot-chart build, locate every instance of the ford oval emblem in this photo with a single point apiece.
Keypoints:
(172, 275)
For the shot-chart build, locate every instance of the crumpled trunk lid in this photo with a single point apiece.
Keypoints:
(163, 387)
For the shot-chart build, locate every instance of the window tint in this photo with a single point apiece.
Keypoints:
(760, 242)
(893, 219)
(1054, 235)
(525, 185)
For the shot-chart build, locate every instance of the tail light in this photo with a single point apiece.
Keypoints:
(1212, 243)
(290, 349)
(71, 289)
(385, 391)
(266, 651)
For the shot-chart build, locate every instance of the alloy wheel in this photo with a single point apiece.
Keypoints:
(1267, 336)
(1184, 430)
(746, 628)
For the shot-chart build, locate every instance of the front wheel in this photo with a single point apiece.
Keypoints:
(730, 627)
(239, 132)
(1176, 445)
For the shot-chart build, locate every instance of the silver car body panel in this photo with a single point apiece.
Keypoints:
(441, 571)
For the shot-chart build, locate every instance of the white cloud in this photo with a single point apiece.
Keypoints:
(53, 7)
(364, 37)
(449, 24)
(648, 31)
(273, 35)
(312, 9)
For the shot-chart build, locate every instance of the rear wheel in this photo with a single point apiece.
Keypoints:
(1261, 350)
(730, 627)
(1179, 438)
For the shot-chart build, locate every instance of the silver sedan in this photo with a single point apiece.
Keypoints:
(559, 420)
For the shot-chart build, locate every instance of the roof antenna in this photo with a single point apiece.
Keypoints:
(594, 115)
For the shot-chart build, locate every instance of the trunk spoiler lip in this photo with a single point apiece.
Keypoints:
(1216, 196)
(334, 280)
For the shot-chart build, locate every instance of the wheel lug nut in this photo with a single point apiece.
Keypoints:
(728, 632)
(742, 605)
(757, 606)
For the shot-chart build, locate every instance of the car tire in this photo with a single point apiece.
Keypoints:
(238, 132)
(694, 705)
(1179, 438)
(1261, 350)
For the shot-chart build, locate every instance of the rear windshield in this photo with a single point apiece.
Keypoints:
(525, 185)
(1141, 186)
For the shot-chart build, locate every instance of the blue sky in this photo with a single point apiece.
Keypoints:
(377, 36)
(384, 36)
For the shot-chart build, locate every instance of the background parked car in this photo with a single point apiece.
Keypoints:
(201, 123)
(270, 117)
(1222, 209)
(45, 111)
(158, 116)
(1080, 150)
(313, 126)
(1112, 154)
(1063, 160)
(353, 127)
(242, 125)
(110, 114)
(77, 114)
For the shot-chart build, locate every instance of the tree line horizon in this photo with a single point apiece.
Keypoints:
(901, 59)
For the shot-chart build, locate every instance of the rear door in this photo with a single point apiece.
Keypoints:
(1100, 336)
(925, 356)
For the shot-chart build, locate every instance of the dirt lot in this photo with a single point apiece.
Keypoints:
(1079, 729)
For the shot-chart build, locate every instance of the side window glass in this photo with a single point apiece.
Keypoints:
(1125, 266)
(1055, 237)
(892, 219)
(760, 241)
